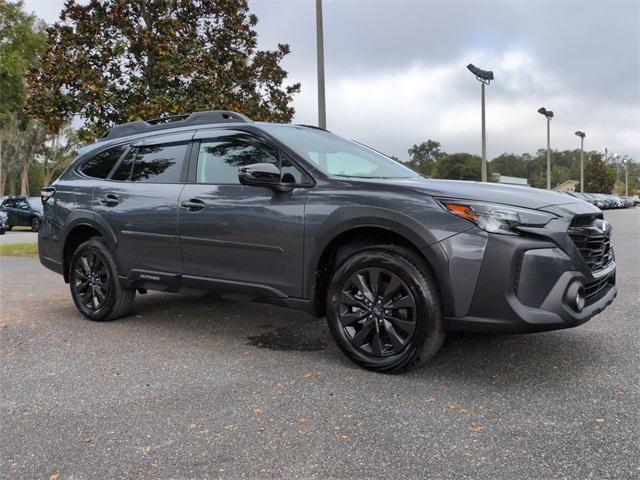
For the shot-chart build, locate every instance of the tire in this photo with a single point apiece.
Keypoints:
(92, 264)
(402, 336)
(35, 224)
(2, 232)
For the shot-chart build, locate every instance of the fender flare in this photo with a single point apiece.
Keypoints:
(351, 218)
(87, 218)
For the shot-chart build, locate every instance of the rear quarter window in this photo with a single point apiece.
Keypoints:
(101, 164)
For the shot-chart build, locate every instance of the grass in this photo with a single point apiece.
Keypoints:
(19, 250)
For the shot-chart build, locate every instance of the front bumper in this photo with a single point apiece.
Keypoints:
(522, 284)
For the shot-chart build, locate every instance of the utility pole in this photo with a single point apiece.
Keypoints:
(483, 174)
(322, 107)
(581, 135)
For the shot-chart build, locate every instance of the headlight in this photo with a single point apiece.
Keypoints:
(496, 218)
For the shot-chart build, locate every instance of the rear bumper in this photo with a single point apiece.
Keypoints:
(525, 285)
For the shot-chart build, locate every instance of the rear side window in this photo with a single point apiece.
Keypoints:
(101, 164)
(152, 164)
(159, 163)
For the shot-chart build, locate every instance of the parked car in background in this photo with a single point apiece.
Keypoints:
(4, 222)
(587, 197)
(631, 202)
(296, 216)
(22, 211)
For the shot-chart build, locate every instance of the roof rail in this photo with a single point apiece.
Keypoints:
(184, 120)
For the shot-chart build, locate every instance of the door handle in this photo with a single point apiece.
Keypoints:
(110, 200)
(193, 204)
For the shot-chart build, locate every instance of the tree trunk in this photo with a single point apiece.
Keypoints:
(3, 177)
(24, 179)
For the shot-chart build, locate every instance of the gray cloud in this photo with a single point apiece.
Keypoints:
(581, 59)
(396, 69)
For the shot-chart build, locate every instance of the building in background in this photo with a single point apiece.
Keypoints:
(496, 177)
(567, 186)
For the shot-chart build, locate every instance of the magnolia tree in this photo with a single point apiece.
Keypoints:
(113, 61)
(22, 40)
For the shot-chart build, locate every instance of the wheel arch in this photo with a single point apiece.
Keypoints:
(78, 231)
(351, 238)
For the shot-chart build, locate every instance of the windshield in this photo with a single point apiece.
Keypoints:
(336, 156)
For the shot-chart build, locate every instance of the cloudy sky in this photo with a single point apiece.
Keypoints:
(395, 70)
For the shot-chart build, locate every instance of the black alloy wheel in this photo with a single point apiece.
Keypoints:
(377, 312)
(35, 224)
(95, 286)
(91, 281)
(384, 309)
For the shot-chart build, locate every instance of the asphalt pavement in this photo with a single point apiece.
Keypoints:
(202, 388)
(19, 236)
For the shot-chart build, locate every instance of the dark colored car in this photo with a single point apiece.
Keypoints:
(299, 217)
(4, 223)
(23, 212)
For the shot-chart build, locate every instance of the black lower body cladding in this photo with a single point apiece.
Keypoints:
(525, 284)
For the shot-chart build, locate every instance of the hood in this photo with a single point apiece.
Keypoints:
(526, 197)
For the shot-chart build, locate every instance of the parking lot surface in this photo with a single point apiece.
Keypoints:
(202, 388)
(18, 236)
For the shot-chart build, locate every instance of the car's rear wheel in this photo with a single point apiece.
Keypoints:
(95, 287)
(383, 309)
(35, 224)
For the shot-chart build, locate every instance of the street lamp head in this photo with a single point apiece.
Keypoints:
(581, 134)
(485, 76)
(545, 112)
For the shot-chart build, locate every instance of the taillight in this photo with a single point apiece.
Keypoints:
(46, 193)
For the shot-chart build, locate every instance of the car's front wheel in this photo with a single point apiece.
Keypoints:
(95, 287)
(383, 309)
(35, 224)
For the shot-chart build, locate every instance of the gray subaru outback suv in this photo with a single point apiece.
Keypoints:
(213, 203)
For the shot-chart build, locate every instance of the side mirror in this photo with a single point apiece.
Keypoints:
(263, 175)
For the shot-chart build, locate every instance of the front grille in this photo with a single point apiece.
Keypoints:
(592, 239)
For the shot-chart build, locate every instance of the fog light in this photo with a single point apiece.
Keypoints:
(575, 296)
(580, 299)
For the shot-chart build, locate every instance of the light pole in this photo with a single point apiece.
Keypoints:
(548, 115)
(581, 135)
(626, 176)
(484, 77)
(322, 108)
